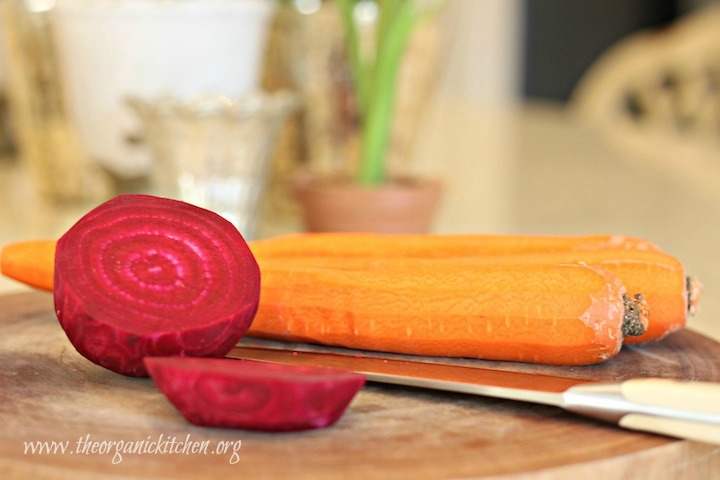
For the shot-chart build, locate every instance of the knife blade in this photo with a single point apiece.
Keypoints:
(682, 409)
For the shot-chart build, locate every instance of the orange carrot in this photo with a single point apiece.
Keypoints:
(658, 276)
(550, 314)
(434, 246)
(641, 266)
(31, 262)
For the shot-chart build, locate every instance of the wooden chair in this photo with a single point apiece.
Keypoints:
(656, 96)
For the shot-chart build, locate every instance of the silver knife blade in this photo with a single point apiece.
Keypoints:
(669, 407)
(544, 389)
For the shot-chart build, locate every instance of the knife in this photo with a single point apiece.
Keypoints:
(682, 409)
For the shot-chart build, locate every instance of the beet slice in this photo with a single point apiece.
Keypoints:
(253, 395)
(147, 276)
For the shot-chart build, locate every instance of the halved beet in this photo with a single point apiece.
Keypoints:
(253, 395)
(146, 276)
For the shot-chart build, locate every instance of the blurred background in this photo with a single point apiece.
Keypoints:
(534, 116)
(100, 97)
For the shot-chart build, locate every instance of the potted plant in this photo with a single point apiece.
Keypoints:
(365, 195)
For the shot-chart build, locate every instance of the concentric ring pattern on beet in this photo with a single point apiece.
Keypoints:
(146, 276)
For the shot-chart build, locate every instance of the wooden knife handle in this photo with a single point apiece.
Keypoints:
(669, 407)
(702, 432)
(696, 396)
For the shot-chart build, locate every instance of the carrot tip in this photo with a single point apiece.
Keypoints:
(635, 318)
(694, 288)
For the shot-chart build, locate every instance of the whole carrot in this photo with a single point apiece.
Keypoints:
(435, 246)
(641, 266)
(31, 261)
(658, 276)
(550, 314)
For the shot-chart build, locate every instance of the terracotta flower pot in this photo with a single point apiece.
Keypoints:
(399, 206)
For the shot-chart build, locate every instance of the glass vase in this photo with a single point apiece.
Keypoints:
(214, 151)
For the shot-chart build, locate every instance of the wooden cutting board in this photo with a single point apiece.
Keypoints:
(50, 393)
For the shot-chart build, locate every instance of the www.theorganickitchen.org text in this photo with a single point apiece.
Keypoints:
(160, 445)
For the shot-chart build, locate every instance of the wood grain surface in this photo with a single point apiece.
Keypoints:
(51, 393)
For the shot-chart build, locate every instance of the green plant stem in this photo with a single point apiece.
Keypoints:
(388, 9)
(360, 69)
(377, 119)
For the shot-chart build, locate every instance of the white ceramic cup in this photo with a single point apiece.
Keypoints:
(112, 49)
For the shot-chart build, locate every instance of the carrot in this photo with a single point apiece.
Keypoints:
(31, 262)
(550, 314)
(658, 276)
(542, 317)
(434, 246)
(641, 266)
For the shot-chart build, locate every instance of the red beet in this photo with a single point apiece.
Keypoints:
(254, 395)
(146, 276)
